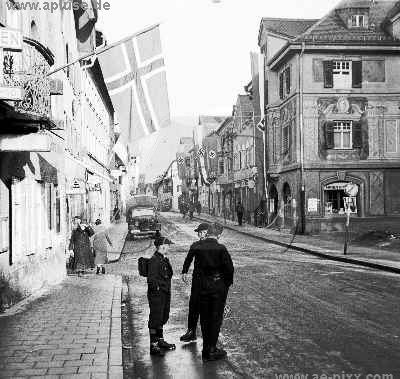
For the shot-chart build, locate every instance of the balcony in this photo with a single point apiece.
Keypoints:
(25, 85)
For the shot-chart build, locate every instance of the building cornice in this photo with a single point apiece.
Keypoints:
(291, 48)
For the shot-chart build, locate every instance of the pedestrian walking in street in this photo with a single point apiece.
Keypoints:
(194, 301)
(101, 244)
(80, 245)
(239, 212)
(159, 295)
(191, 210)
(198, 208)
(216, 276)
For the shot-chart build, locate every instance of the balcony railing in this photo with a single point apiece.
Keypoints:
(27, 70)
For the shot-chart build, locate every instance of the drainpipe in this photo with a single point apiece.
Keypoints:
(301, 140)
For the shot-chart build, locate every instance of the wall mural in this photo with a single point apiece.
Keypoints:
(342, 109)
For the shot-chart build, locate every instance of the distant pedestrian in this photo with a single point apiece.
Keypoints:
(191, 210)
(194, 301)
(216, 271)
(239, 212)
(80, 245)
(198, 208)
(101, 244)
(159, 295)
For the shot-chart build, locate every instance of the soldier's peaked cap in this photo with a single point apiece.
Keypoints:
(202, 226)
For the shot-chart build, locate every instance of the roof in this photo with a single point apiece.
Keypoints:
(244, 102)
(333, 29)
(207, 120)
(287, 27)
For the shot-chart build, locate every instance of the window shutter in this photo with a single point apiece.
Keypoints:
(287, 76)
(329, 137)
(281, 86)
(357, 74)
(357, 136)
(328, 74)
(3, 13)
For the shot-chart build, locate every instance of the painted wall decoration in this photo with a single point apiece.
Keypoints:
(333, 109)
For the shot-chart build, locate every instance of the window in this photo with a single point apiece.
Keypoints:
(342, 135)
(284, 83)
(221, 166)
(342, 74)
(335, 198)
(187, 162)
(358, 21)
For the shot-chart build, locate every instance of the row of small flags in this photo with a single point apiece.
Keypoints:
(211, 154)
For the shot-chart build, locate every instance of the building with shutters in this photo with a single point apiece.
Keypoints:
(55, 142)
(333, 116)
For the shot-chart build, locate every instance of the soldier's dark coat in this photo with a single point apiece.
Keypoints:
(194, 301)
(214, 268)
(159, 290)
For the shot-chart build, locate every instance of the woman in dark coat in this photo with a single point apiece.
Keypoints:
(80, 245)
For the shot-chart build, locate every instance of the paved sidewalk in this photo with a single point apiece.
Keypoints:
(72, 331)
(117, 234)
(375, 258)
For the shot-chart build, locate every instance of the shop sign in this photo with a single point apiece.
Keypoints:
(76, 188)
(10, 39)
(336, 186)
(351, 189)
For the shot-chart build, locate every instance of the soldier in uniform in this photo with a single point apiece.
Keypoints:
(215, 267)
(159, 295)
(194, 301)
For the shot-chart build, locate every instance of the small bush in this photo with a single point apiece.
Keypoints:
(8, 294)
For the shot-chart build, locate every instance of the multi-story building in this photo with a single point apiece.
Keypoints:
(247, 158)
(225, 202)
(49, 121)
(333, 115)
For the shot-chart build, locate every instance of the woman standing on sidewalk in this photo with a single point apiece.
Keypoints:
(80, 245)
(101, 243)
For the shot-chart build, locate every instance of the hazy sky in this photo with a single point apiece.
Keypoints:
(207, 53)
(206, 44)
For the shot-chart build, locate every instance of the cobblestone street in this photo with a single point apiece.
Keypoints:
(73, 331)
(288, 313)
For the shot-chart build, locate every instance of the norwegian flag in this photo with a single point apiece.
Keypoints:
(134, 73)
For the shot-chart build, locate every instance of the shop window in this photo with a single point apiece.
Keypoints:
(335, 198)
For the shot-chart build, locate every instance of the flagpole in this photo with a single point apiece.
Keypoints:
(104, 49)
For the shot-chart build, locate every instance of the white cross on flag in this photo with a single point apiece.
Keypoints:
(135, 76)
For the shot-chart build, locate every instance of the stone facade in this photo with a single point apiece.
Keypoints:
(332, 119)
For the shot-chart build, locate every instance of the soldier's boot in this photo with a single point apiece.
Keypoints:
(155, 349)
(190, 335)
(214, 354)
(162, 343)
